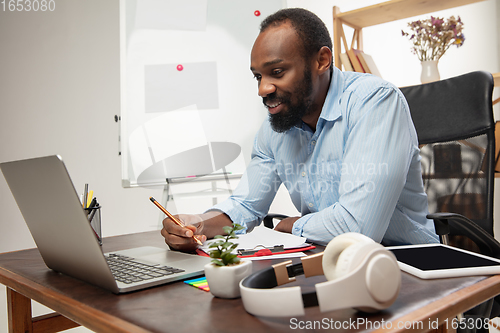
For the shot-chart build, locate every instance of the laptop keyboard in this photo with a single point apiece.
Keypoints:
(126, 270)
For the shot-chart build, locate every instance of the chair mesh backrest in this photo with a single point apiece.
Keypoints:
(455, 128)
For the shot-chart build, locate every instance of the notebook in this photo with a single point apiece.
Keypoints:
(67, 243)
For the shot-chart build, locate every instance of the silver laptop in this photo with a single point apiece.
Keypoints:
(58, 223)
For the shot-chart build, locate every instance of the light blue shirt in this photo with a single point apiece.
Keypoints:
(358, 172)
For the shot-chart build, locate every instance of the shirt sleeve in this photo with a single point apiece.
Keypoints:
(253, 196)
(379, 144)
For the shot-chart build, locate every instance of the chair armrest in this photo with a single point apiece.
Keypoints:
(268, 220)
(444, 222)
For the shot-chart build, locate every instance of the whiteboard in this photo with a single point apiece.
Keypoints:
(189, 103)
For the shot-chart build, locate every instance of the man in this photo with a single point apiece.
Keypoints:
(342, 143)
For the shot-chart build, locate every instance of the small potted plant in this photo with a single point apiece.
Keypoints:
(226, 270)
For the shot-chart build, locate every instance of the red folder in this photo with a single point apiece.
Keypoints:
(265, 252)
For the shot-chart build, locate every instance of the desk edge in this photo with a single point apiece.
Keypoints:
(84, 315)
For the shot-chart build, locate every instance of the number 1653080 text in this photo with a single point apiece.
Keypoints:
(27, 5)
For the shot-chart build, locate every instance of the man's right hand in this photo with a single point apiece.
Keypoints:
(181, 238)
(202, 226)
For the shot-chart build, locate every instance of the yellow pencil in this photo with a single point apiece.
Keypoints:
(89, 198)
(176, 221)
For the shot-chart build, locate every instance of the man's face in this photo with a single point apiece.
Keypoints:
(283, 76)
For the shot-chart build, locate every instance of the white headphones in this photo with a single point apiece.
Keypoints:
(361, 274)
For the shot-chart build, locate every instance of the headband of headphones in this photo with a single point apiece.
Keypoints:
(361, 274)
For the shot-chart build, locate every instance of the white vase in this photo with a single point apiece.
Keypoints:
(224, 281)
(430, 72)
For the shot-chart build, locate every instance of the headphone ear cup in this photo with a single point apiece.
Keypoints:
(383, 279)
(352, 257)
(339, 253)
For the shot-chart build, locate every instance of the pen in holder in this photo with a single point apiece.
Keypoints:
(94, 217)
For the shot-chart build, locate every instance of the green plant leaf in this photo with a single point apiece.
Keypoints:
(235, 260)
(217, 262)
(228, 256)
(215, 254)
(227, 245)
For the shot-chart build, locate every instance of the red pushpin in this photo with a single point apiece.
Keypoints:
(180, 67)
(257, 13)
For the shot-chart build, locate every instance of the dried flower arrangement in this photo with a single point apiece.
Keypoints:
(432, 37)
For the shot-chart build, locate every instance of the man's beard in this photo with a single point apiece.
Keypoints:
(285, 120)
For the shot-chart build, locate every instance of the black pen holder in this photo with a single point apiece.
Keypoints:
(94, 217)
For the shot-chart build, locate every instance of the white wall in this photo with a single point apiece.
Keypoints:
(59, 93)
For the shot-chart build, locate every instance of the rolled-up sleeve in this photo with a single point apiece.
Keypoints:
(251, 199)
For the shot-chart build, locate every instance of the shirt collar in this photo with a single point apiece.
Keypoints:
(331, 110)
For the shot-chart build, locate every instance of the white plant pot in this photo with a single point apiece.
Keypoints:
(224, 281)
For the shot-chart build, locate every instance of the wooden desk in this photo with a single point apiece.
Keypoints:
(177, 307)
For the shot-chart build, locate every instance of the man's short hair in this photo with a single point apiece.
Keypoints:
(309, 27)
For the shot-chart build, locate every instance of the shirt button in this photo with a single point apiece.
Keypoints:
(303, 173)
(310, 204)
(313, 142)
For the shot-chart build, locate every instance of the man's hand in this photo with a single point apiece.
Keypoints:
(202, 226)
(180, 238)
(286, 225)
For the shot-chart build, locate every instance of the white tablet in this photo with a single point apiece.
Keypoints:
(431, 261)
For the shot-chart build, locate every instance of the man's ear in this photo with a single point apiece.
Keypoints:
(324, 59)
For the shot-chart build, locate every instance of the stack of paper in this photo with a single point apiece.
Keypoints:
(263, 237)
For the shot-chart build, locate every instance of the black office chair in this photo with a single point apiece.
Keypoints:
(456, 132)
(269, 219)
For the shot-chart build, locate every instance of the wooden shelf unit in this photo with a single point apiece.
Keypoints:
(382, 13)
(496, 77)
